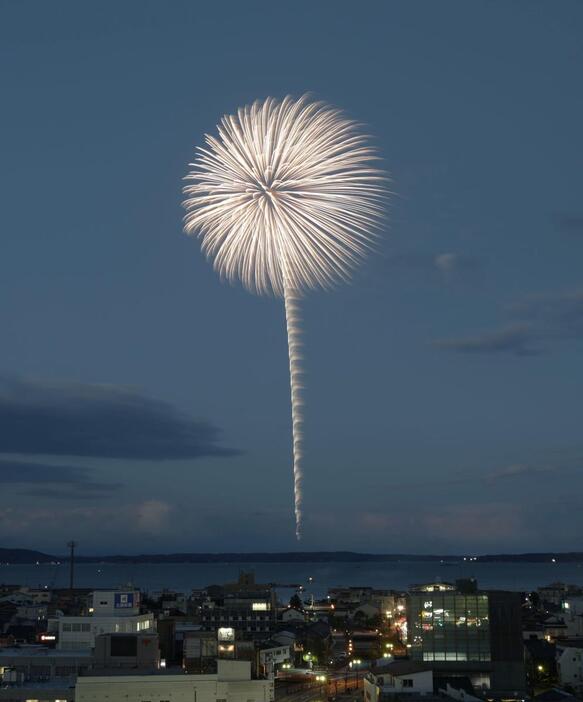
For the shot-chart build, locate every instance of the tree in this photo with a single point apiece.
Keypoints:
(295, 602)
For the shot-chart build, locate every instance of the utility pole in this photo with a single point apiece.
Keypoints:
(71, 545)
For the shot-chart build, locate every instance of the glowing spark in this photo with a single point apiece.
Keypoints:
(286, 199)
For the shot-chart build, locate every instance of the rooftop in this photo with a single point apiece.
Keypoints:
(43, 652)
(398, 668)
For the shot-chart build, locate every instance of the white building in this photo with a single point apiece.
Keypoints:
(111, 612)
(290, 614)
(232, 683)
(272, 656)
(573, 615)
(38, 595)
(570, 663)
(398, 677)
(114, 603)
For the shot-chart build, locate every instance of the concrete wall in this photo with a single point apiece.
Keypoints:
(174, 688)
(77, 633)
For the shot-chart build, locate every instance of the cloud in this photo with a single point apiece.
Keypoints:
(459, 525)
(445, 264)
(47, 480)
(475, 523)
(520, 470)
(515, 339)
(152, 515)
(569, 223)
(558, 315)
(537, 322)
(104, 421)
(516, 471)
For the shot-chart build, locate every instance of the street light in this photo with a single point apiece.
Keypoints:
(355, 663)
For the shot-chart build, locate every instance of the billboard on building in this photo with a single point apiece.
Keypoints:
(226, 634)
(125, 600)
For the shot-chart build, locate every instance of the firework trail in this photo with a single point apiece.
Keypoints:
(286, 199)
(294, 343)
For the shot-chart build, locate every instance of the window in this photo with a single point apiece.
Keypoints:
(66, 627)
(408, 682)
(124, 646)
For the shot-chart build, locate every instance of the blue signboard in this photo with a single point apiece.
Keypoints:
(124, 600)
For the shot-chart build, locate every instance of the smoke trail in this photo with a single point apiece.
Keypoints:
(286, 198)
(294, 345)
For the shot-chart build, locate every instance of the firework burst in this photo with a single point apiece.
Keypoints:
(286, 198)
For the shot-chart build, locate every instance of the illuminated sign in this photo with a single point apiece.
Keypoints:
(226, 634)
(125, 600)
(259, 606)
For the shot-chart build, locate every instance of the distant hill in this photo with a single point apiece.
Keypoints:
(24, 556)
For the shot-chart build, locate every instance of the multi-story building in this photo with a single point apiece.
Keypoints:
(137, 651)
(246, 606)
(111, 612)
(460, 630)
(350, 595)
(570, 662)
(199, 651)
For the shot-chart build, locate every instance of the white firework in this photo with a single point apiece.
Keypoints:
(286, 199)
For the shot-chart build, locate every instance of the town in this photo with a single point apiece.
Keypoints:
(238, 642)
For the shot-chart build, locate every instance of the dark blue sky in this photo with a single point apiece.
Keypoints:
(144, 404)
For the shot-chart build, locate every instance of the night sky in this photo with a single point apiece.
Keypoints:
(144, 405)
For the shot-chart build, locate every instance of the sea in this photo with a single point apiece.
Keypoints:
(314, 578)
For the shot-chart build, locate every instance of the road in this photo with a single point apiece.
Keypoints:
(339, 683)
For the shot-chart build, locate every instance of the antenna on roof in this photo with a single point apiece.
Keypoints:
(72, 545)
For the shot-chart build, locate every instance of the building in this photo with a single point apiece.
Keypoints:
(540, 662)
(292, 614)
(137, 651)
(247, 607)
(398, 678)
(572, 613)
(350, 595)
(553, 593)
(35, 663)
(199, 651)
(28, 671)
(231, 683)
(272, 656)
(39, 673)
(459, 630)
(57, 690)
(570, 663)
(111, 612)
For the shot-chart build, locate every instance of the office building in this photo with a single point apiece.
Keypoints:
(111, 612)
(458, 629)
